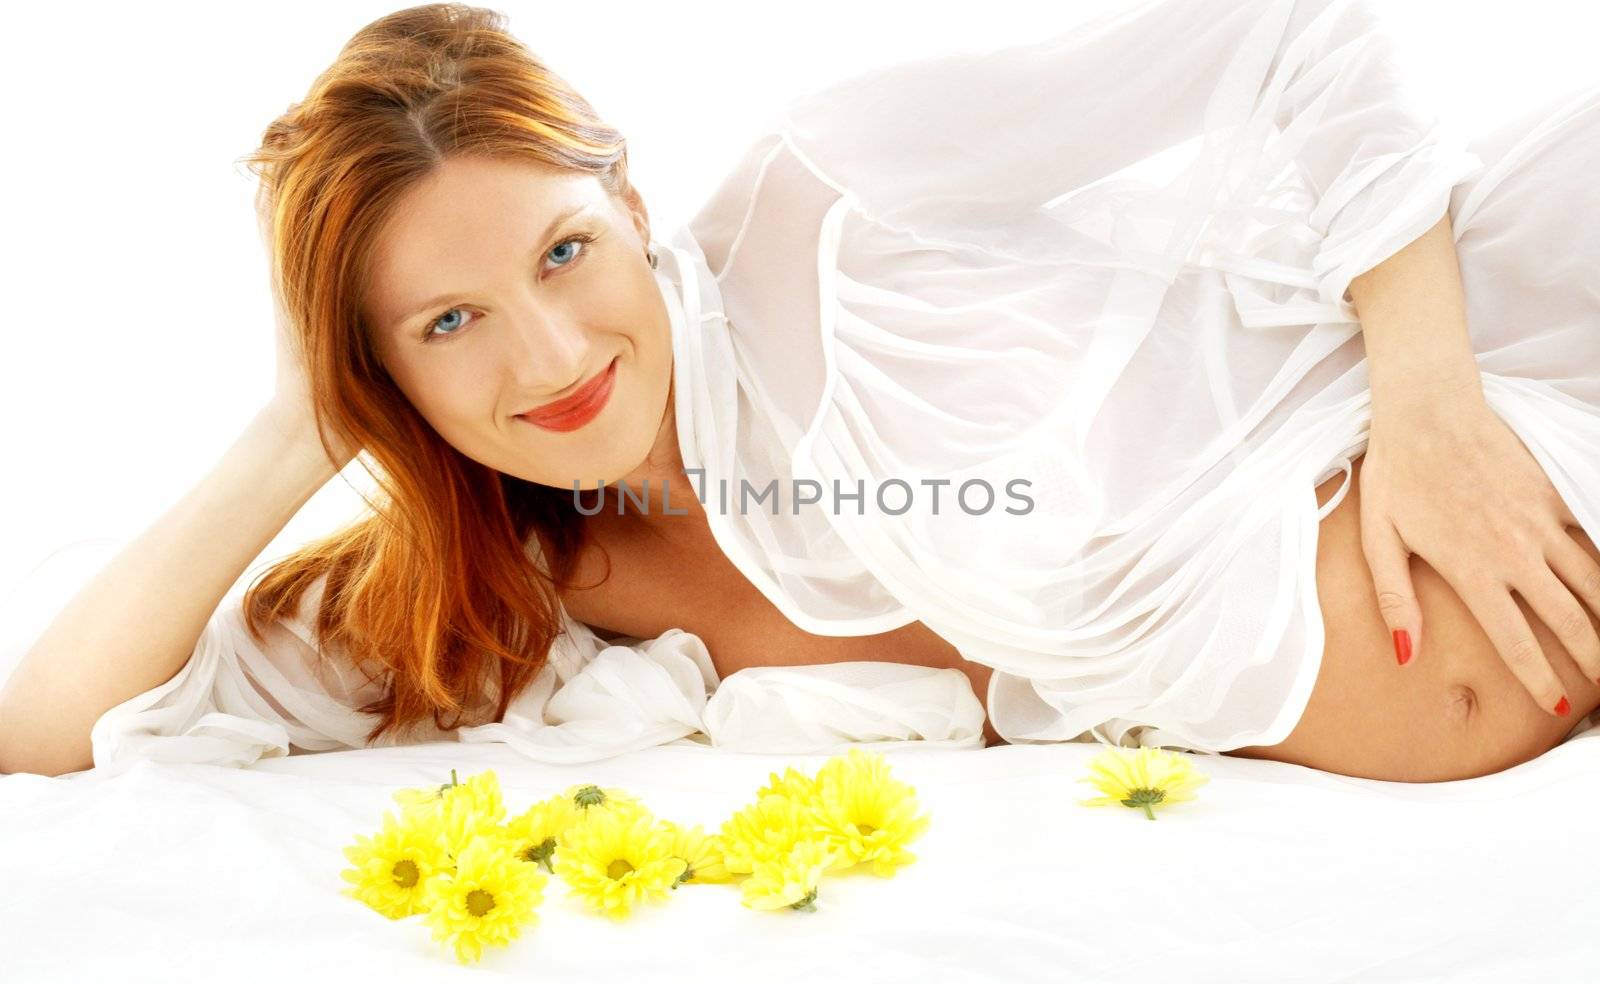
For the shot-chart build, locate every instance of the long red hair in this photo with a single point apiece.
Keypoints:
(449, 588)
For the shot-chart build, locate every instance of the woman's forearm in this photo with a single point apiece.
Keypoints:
(1413, 315)
(133, 626)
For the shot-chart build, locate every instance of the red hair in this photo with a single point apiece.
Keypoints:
(450, 586)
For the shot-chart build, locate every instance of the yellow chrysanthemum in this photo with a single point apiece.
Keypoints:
(793, 783)
(421, 797)
(614, 860)
(702, 851)
(391, 869)
(536, 833)
(865, 815)
(425, 797)
(471, 810)
(788, 880)
(589, 799)
(1148, 778)
(485, 900)
(765, 830)
(464, 809)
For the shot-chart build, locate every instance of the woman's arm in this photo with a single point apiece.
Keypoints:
(1447, 479)
(135, 624)
(1414, 323)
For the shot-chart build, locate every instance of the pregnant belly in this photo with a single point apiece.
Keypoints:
(1454, 712)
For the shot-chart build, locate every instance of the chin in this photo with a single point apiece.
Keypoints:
(617, 447)
(614, 455)
(626, 458)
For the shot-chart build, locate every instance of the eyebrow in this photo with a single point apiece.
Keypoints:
(549, 231)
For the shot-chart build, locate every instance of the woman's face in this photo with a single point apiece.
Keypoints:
(485, 302)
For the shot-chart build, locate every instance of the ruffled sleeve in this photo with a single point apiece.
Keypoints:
(809, 709)
(1288, 124)
(598, 699)
(594, 699)
(236, 700)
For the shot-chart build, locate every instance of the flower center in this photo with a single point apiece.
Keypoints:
(866, 829)
(618, 868)
(479, 902)
(589, 796)
(405, 873)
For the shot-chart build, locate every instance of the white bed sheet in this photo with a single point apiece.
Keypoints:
(1275, 873)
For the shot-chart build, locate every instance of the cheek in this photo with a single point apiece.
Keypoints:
(453, 399)
(464, 401)
(651, 369)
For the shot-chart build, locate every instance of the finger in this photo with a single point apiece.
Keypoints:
(1574, 565)
(1578, 571)
(1564, 514)
(1502, 621)
(1390, 564)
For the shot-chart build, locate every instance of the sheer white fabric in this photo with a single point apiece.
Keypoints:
(1113, 264)
(236, 701)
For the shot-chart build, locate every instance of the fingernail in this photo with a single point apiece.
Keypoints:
(1402, 646)
(1562, 707)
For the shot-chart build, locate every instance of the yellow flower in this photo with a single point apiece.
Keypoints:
(865, 815)
(393, 867)
(794, 784)
(703, 853)
(766, 830)
(1149, 778)
(420, 798)
(463, 809)
(424, 797)
(789, 879)
(589, 799)
(614, 860)
(470, 810)
(536, 833)
(486, 900)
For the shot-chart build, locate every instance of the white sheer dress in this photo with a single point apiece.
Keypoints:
(1111, 265)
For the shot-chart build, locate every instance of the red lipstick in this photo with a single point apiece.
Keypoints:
(571, 412)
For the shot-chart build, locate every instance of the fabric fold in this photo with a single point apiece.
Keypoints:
(1125, 290)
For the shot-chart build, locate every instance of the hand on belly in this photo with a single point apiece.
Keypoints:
(1455, 713)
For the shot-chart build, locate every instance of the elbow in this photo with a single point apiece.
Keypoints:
(21, 754)
(51, 767)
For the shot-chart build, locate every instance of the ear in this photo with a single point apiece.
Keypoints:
(641, 215)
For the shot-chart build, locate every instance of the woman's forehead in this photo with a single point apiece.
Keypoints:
(462, 226)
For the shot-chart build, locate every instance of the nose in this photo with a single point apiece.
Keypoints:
(549, 351)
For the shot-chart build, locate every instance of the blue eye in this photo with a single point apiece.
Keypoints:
(441, 321)
(558, 246)
(448, 323)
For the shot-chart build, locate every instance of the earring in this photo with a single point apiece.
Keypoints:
(650, 251)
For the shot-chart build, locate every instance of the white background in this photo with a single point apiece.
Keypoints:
(139, 337)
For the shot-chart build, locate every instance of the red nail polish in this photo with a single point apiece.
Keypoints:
(1563, 708)
(1402, 646)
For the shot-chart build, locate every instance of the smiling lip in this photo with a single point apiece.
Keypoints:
(571, 412)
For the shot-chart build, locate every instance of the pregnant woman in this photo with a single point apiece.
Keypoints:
(1167, 382)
